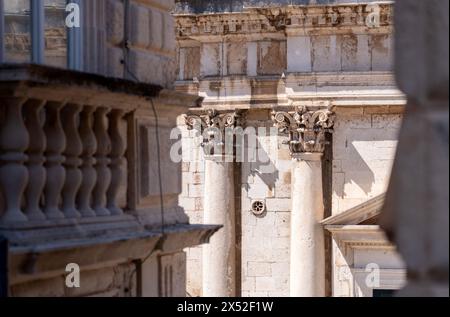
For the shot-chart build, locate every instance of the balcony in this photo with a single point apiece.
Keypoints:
(78, 170)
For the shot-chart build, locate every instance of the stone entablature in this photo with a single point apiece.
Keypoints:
(276, 19)
(342, 89)
(298, 52)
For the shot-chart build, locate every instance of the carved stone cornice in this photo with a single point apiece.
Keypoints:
(276, 19)
(306, 129)
(214, 126)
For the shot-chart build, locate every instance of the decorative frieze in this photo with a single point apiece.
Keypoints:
(271, 20)
(306, 129)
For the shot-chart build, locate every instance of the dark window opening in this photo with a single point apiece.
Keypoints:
(384, 293)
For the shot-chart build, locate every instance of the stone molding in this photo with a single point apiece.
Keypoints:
(348, 237)
(375, 88)
(358, 214)
(276, 19)
(306, 129)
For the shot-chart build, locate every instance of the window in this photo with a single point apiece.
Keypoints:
(16, 25)
(55, 48)
(391, 280)
(383, 293)
(36, 31)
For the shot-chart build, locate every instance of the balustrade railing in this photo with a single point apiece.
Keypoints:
(59, 160)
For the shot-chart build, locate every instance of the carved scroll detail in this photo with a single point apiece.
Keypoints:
(306, 129)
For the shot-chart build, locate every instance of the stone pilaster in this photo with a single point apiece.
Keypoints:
(219, 256)
(307, 131)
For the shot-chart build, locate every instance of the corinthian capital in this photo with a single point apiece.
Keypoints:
(306, 129)
(215, 126)
(212, 119)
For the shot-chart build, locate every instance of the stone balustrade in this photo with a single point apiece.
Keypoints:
(59, 160)
(75, 149)
(78, 159)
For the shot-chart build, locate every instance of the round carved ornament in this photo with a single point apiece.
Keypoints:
(258, 207)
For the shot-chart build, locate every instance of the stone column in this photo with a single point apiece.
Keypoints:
(219, 256)
(306, 130)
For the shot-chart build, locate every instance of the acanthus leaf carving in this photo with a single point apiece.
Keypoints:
(212, 125)
(306, 129)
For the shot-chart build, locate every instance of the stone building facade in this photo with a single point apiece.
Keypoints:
(299, 220)
(86, 177)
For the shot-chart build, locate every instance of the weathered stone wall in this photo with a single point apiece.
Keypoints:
(364, 146)
(264, 239)
(115, 280)
(321, 53)
(192, 198)
(151, 40)
(109, 281)
(237, 61)
(292, 39)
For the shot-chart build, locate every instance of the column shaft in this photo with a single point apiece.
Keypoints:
(307, 239)
(219, 255)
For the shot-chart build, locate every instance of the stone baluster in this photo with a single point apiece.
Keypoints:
(13, 174)
(307, 142)
(56, 173)
(117, 160)
(73, 162)
(36, 159)
(102, 162)
(87, 168)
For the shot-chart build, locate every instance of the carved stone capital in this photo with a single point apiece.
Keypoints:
(214, 126)
(306, 129)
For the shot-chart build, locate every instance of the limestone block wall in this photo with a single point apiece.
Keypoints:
(150, 38)
(322, 53)
(340, 52)
(115, 280)
(264, 240)
(326, 53)
(364, 146)
(191, 199)
(109, 281)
